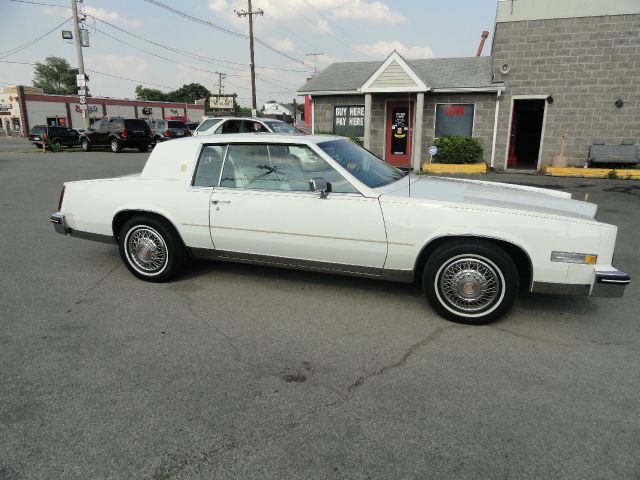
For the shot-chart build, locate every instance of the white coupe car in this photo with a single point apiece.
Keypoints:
(322, 203)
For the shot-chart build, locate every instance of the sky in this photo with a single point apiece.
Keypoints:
(342, 30)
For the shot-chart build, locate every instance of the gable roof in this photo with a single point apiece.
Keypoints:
(395, 74)
(437, 73)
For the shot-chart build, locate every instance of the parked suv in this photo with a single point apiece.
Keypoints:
(214, 125)
(117, 133)
(162, 130)
(54, 137)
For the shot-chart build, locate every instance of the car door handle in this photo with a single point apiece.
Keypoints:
(216, 202)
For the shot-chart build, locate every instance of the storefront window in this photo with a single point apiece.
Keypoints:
(454, 119)
(348, 120)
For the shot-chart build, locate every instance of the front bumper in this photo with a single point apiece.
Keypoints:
(59, 224)
(610, 284)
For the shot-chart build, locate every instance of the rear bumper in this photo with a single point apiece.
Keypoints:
(59, 224)
(609, 284)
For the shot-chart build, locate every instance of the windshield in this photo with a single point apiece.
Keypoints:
(281, 127)
(363, 165)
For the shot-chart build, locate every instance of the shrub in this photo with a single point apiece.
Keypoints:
(458, 149)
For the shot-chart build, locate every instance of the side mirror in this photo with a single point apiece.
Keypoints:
(319, 184)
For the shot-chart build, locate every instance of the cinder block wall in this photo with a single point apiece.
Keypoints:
(586, 64)
(483, 121)
(324, 109)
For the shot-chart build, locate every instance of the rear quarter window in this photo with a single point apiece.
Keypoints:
(207, 124)
(135, 125)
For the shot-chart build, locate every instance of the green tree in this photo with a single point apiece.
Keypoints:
(189, 93)
(150, 94)
(55, 76)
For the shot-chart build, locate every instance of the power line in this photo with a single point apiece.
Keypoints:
(12, 51)
(338, 28)
(43, 4)
(202, 58)
(224, 30)
(101, 73)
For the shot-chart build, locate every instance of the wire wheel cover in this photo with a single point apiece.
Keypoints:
(469, 284)
(147, 250)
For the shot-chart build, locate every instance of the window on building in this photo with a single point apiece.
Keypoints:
(454, 119)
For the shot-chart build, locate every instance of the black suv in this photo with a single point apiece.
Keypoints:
(117, 133)
(54, 137)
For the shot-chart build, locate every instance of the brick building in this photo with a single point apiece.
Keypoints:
(23, 107)
(569, 67)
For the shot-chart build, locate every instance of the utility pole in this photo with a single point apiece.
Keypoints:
(250, 14)
(221, 76)
(315, 56)
(76, 30)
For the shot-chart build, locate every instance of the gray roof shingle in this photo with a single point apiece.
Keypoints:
(465, 72)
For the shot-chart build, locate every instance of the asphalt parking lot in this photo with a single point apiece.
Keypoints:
(244, 372)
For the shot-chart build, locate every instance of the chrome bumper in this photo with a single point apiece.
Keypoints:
(610, 284)
(58, 223)
(606, 284)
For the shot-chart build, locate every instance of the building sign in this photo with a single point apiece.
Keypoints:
(88, 108)
(147, 111)
(399, 130)
(5, 108)
(221, 102)
(454, 119)
(348, 120)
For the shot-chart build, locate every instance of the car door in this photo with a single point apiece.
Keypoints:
(101, 134)
(264, 210)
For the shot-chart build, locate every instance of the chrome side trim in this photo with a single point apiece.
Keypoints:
(364, 240)
(560, 288)
(404, 276)
(96, 237)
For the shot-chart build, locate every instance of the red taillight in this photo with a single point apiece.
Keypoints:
(166, 133)
(61, 197)
(44, 136)
(123, 133)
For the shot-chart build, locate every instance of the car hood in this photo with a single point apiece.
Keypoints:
(489, 194)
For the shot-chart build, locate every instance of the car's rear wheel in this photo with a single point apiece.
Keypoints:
(151, 249)
(85, 145)
(56, 145)
(116, 146)
(471, 282)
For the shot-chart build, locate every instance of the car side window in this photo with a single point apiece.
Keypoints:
(209, 165)
(278, 167)
(207, 124)
(230, 126)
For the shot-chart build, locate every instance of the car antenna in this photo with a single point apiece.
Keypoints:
(410, 141)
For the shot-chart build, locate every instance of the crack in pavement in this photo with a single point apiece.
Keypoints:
(403, 360)
(237, 353)
(94, 286)
(580, 343)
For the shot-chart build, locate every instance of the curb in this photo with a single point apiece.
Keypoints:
(623, 173)
(454, 168)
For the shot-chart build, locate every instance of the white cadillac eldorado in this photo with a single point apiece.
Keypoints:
(322, 203)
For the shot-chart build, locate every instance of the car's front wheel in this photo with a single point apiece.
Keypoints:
(151, 249)
(471, 282)
(116, 146)
(85, 145)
